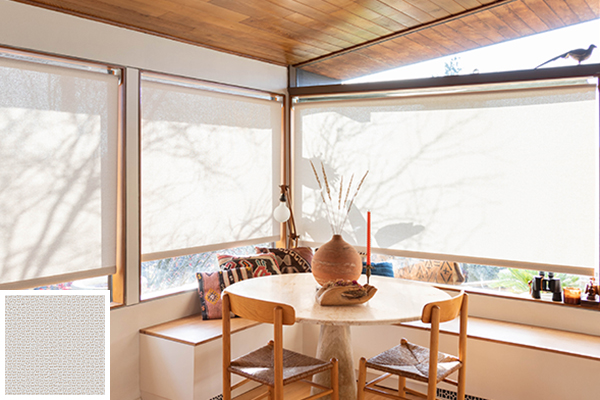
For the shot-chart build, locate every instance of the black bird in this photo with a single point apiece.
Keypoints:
(578, 55)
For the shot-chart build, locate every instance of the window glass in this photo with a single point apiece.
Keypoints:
(519, 54)
(485, 278)
(175, 274)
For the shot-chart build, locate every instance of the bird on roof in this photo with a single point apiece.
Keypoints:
(578, 55)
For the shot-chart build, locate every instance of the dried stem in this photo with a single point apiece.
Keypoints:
(336, 217)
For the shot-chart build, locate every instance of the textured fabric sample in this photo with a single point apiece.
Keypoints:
(55, 345)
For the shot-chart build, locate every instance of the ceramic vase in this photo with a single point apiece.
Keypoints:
(336, 260)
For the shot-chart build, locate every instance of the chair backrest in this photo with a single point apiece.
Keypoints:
(443, 311)
(259, 310)
(449, 309)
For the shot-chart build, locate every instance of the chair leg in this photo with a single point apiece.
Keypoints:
(401, 386)
(335, 382)
(226, 385)
(432, 390)
(271, 393)
(362, 379)
(461, 384)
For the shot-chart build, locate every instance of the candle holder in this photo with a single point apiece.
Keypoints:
(572, 295)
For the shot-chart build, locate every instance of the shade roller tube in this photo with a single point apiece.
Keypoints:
(58, 168)
(508, 177)
(210, 166)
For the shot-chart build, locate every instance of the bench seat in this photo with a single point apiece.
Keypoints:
(194, 331)
(528, 336)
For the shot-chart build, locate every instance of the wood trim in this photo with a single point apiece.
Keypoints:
(117, 281)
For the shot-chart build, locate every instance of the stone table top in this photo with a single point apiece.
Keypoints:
(396, 300)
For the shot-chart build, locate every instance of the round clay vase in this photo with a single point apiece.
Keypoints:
(336, 260)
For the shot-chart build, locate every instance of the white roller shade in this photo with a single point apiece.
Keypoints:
(58, 173)
(503, 177)
(210, 168)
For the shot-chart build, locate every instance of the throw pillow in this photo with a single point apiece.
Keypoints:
(262, 264)
(433, 271)
(380, 268)
(291, 261)
(211, 285)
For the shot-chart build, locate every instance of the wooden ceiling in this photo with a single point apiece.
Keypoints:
(340, 39)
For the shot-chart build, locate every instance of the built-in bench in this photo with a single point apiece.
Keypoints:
(181, 359)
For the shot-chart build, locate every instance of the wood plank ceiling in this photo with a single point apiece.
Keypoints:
(340, 39)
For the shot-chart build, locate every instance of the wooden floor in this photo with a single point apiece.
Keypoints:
(299, 390)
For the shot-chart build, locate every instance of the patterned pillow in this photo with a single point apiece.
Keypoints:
(380, 268)
(262, 265)
(433, 271)
(210, 286)
(291, 261)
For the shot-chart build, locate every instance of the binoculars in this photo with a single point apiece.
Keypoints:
(541, 284)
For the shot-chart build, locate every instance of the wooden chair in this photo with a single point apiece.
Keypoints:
(428, 365)
(271, 365)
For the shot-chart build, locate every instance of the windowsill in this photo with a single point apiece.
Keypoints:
(546, 297)
(169, 292)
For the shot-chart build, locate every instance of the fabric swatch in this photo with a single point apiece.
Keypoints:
(55, 345)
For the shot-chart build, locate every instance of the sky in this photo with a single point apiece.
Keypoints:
(519, 54)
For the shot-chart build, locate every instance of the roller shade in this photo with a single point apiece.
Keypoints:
(58, 172)
(494, 175)
(210, 166)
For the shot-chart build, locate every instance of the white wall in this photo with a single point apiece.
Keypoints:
(31, 28)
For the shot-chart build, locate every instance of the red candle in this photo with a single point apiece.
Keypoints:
(368, 237)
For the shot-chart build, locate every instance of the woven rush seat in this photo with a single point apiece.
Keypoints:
(272, 366)
(419, 363)
(259, 366)
(412, 361)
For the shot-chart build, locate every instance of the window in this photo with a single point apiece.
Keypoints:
(503, 175)
(210, 169)
(59, 129)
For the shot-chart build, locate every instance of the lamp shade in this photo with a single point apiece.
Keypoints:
(281, 213)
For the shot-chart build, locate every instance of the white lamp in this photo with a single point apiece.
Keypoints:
(281, 212)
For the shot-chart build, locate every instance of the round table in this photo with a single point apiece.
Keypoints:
(396, 301)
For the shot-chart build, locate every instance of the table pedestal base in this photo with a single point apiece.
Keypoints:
(335, 341)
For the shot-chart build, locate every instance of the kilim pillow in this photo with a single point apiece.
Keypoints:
(433, 271)
(262, 264)
(291, 260)
(210, 286)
